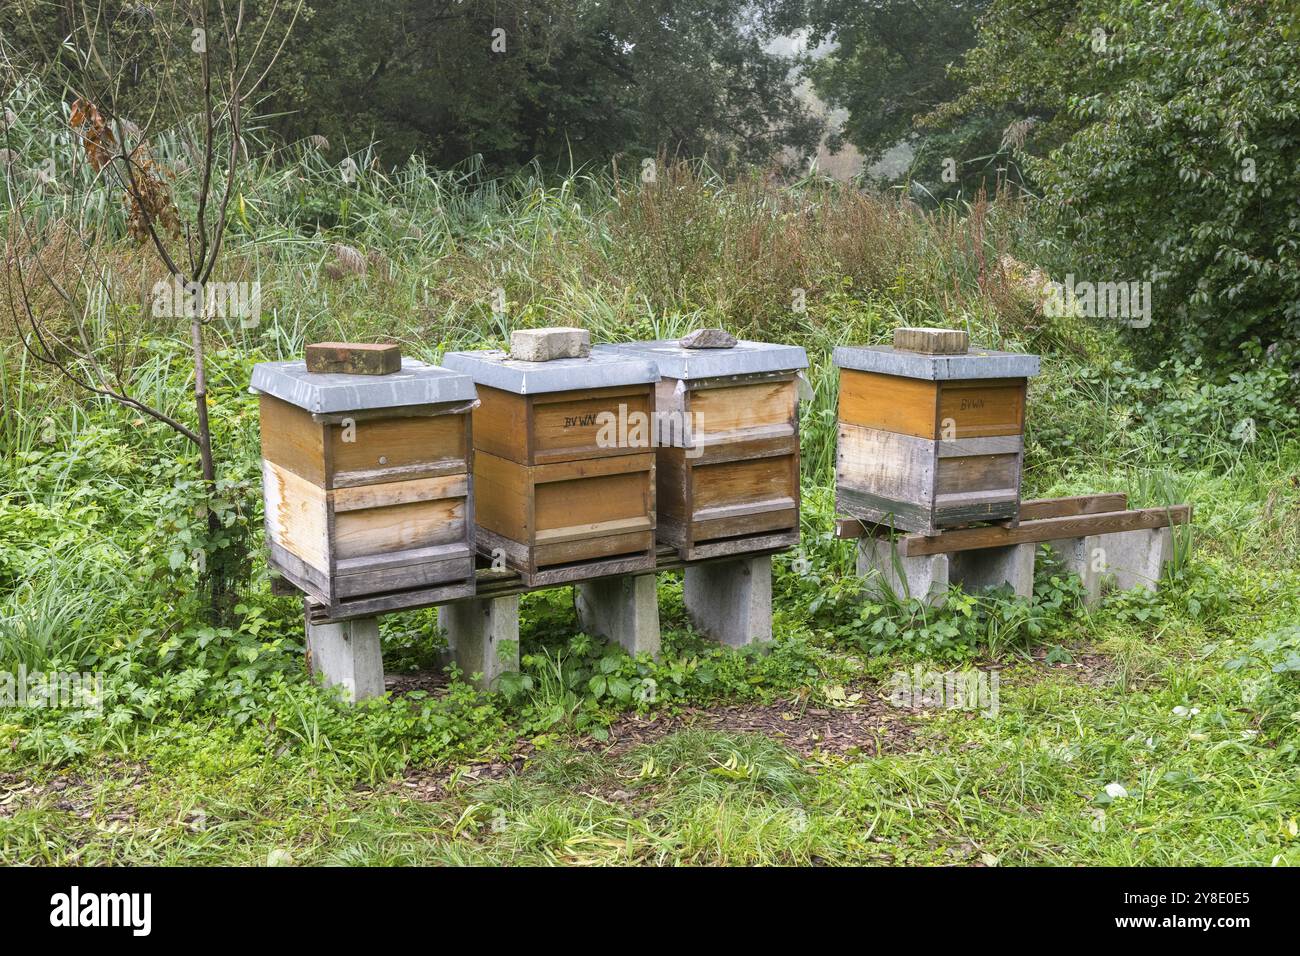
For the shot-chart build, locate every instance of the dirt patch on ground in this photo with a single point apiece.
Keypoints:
(1098, 670)
(864, 724)
(73, 794)
(431, 682)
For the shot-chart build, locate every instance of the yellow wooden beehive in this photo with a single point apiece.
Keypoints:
(930, 440)
(368, 483)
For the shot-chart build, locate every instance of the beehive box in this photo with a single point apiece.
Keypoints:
(930, 441)
(561, 495)
(367, 483)
(727, 441)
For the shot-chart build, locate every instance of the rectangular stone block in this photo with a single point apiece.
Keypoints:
(353, 358)
(932, 341)
(484, 637)
(731, 601)
(623, 609)
(990, 568)
(547, 345)
(886, 571)
(1083, 558)
(347, 654)
(1136, 559)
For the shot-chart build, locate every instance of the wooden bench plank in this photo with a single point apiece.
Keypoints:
(1044, 529)
(1031, 510)
(1038, 508)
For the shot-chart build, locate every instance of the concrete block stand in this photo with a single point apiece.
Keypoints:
(927, 577)
(484, 636)
(731, 601)
(623, 609)
(1136, 559)
(991, 568)
(347, 654)
(1085, 558)
(884, 569)
(1120, 561)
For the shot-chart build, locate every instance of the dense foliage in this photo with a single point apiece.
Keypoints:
(1166, 152)
(887, 65)
(565, 82)
(1169, 715)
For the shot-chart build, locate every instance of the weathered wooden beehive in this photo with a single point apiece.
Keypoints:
(367, 483)
(727, 437)
(565, 492)
(930, 439)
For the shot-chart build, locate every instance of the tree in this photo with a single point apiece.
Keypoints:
(1167, 154)
(887, 64)
(136, 74)
(555, 80)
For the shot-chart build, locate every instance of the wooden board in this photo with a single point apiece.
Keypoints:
(399, 527)
(1036, 508)
(519, 559)
(291, 439)
(399, 492)
(886, 465)
(491, 583)
(296, 515)
(741, 484)
(501, 424)
(403, 570)
(503, 499)
(1031, 510)
(564, 512)
(892, 403)
(769, 407)
(566, 426)
(384, 450)
(1045, 529)
(978, 408)
(970, 474)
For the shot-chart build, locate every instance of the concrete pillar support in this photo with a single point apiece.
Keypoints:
(347, 654)
(885, 570)
(990, 568)
(731, 601)
(1083, 557)
(623, 609)
(1136, 559)
(484, 637)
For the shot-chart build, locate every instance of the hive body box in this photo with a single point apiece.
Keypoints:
(553, 499)
(367, 482)
(728, 445)
(930, 441)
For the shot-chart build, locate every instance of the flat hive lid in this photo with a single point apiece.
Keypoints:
(744, 358)
(977, 363)
(418, 383)
(496, 369)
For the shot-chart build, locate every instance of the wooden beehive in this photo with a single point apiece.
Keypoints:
(930, 441)
(559, 497)
(727, 441)
(367, 484)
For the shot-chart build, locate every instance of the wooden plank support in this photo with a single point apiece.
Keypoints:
(1033, 510)
(1043, 529)
(493, 584)
(1038, 508)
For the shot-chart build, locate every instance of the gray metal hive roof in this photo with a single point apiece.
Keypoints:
(745, 358)
(977, 363)
(496, 369)
(323, 393)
